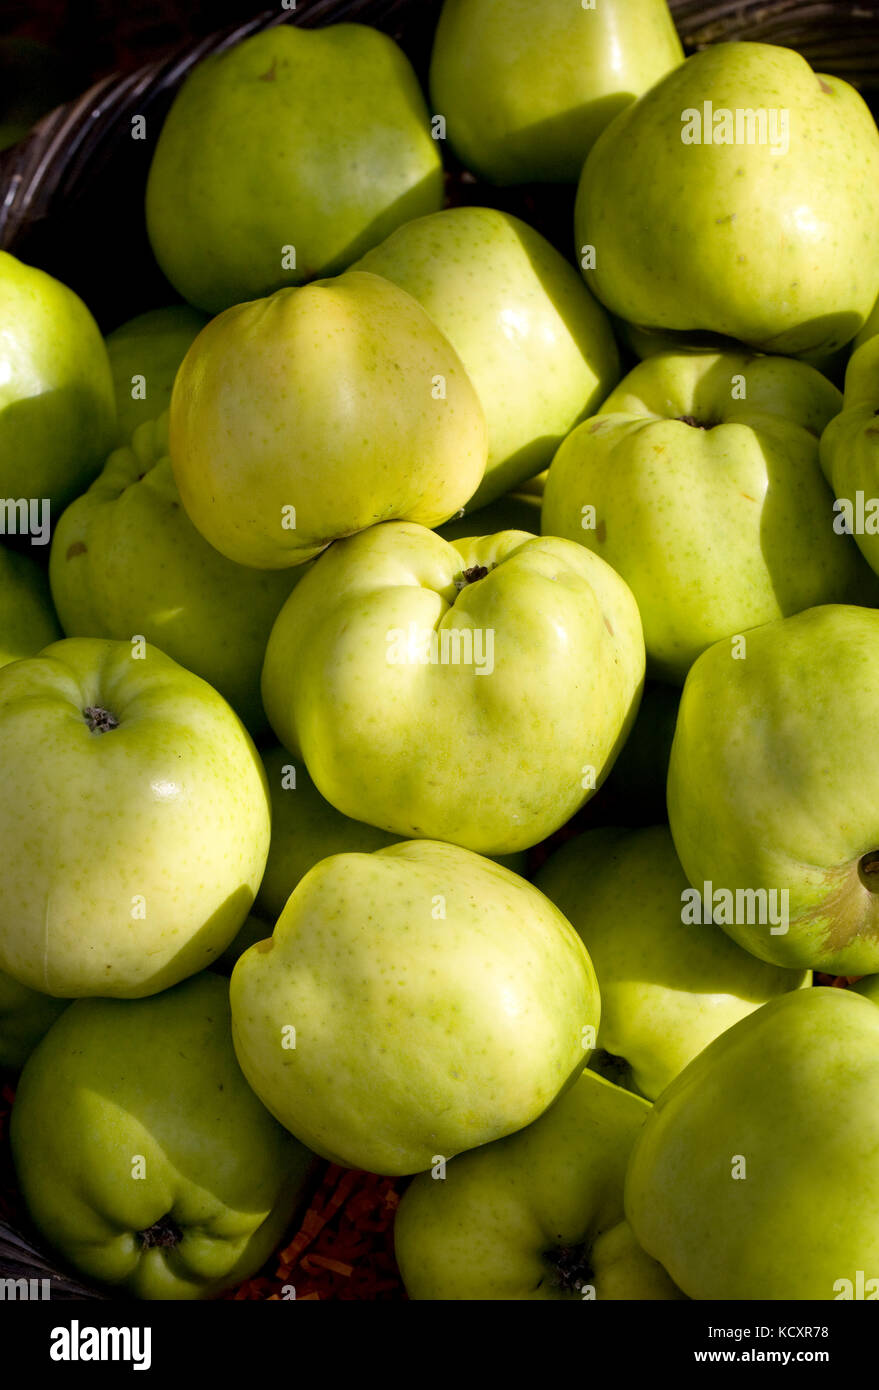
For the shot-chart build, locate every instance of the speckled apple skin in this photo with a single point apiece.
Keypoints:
(57, 408)
(538, 348)
(126, 558)
(780, 251)
(773, 783)
(730, 1166)
(668, 987)
(317, 141)
(438, 1000)
(493, 761)
(709, 499)
(341, 400)
(484, 1231)
(132, 856)
(526, 93)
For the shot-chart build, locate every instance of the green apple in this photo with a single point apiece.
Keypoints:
(537, 347)
(141, 1152)
(538, 1215)
(25, 1016)
(318, 412)
(668, 986)
(306, 829)
(135, 817)
(395, 670)
(699, 482)
(27, 618)
(728, 1181)
(738, 196)
(773, 788)
(850, 453)
(517, 511)
(526, 93)
(145, 354)
(126, 559)
(57, 414)
(286, 157)
(412, 1003)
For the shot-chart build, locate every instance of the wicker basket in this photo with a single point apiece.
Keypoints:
(71, 201)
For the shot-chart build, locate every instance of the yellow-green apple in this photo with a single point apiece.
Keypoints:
(727, 1184)
(145, 354)
(526, 92)
(850, 453)
(412, 1003)
(538, 1215)
(773, 788)
(57, 413)
(286, 157)
(526, 650)
(537, 347)
(142, 1153)
(27, 619)
(135, 817)
(25, 1016)
(699, 482)
(669, 984)
(317, 412)
(306, 829)
(738, 196)
(127, 560)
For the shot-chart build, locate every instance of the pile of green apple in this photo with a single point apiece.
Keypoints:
(358, 560)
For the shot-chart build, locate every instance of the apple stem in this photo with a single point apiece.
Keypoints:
(100, 721)
(165, 1232)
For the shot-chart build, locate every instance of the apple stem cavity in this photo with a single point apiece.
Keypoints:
(570, 1266)
(99, 720)
(163, 1233)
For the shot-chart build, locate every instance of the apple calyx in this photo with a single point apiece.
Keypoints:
(163, 1233)
(693, 422)
(99, 720)
(570, 1265)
